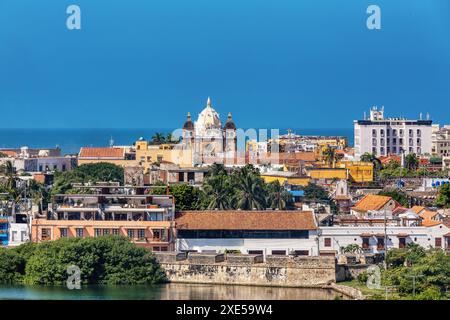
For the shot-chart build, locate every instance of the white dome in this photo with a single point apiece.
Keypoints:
(208, 119)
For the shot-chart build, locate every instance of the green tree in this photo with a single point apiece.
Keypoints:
(92, 172)
(411, 162)
(11, 266)
(186, 196)
(278, 197)
(397, 195)
(330, 156)
(217, 193)
(443, 198)
(158, 138)
(377, 166)
(315, 192)
(250, 193)
(102, 260)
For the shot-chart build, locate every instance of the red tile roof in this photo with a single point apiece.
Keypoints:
(371, 202)
(9, 153)
(102, 153)
(245, 220)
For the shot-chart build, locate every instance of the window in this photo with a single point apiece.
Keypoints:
(55, 167)
(130, 233)
(418, 141)
(191, 176)
(394, 132)
(327, 242)
(411, 133)
(401, 132)
(365, 243)
(374, 133)
(79, 232)
(141, 233)
(401, 242)
(180, 176)
(380, 243)
(63, 232)
(97, 232)
(419, 132)
(438, 242)
(382, 133)
(63, 167)
(374, 141)
(115, 232)
(301, 252)
(279, 252)
(105, 232)
(255, 252)
(46, 234)
(13, 236)
(156, 234)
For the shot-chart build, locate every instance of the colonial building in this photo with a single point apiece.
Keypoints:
(208, 140)
(384, 136)
(251, 232)
(440, 140)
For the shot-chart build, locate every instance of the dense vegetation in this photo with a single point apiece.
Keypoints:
(443, 198)
(397, 195)
(92, 172)
(431, 266)
(242, 188)
(102, 260)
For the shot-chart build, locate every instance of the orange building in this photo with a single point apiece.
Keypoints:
(148, 220)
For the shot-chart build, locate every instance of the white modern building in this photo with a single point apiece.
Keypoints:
(385, 136)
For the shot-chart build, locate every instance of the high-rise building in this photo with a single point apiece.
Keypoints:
(385, 136)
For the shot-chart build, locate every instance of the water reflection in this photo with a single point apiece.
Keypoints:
(172, 291)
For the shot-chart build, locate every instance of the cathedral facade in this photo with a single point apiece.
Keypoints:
(208, 140)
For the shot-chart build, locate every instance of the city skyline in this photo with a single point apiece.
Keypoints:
(289, 65)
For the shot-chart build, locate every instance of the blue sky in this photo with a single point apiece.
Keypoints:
(275, 64)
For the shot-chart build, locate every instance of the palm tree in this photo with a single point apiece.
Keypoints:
(158, 138)
(216, 192)
(411, 162)
(330, 156)
(8, 170)
(250, 189)
(278, 198)
(217, 169)
(371, 157)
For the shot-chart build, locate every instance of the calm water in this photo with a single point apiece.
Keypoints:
(172, 291)
(70, 140)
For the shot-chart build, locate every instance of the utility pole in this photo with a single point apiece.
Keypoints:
(414, 277)
(385, 240)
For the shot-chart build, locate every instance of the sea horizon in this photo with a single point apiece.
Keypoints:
(70, 140)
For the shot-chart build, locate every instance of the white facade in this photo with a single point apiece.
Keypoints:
(266, 246)
(340, 237)
(384, 136)
(19, 233)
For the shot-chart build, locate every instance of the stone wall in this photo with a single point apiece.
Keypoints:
(276, 271)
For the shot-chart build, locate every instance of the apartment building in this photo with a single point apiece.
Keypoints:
(385, 136)
(146, 219)
(440, 141)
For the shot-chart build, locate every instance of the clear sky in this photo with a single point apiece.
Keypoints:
(276, 64)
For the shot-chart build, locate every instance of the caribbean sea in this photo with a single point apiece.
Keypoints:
(71, 140)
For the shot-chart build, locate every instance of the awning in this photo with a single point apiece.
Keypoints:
(366, 235)
(402, 235)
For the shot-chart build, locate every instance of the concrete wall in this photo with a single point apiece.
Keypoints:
(283, 271)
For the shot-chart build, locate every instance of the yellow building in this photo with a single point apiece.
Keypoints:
(351, 170)
(147, 154)
(285, 177)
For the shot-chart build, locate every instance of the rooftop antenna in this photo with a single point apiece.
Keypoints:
(428, 116)
(420, 116)
(111, 142)
(365, 116)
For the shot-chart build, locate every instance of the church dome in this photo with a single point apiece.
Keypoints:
(229, 125)
(188, 125)
(208, 118)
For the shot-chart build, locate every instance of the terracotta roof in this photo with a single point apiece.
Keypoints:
(371, 202)
(109, 153)
(430, 223)
(299, 156)
(9, 153)
(417, 209)
(387, 159)
(399, 210)
(428, 215)
(245, 220)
